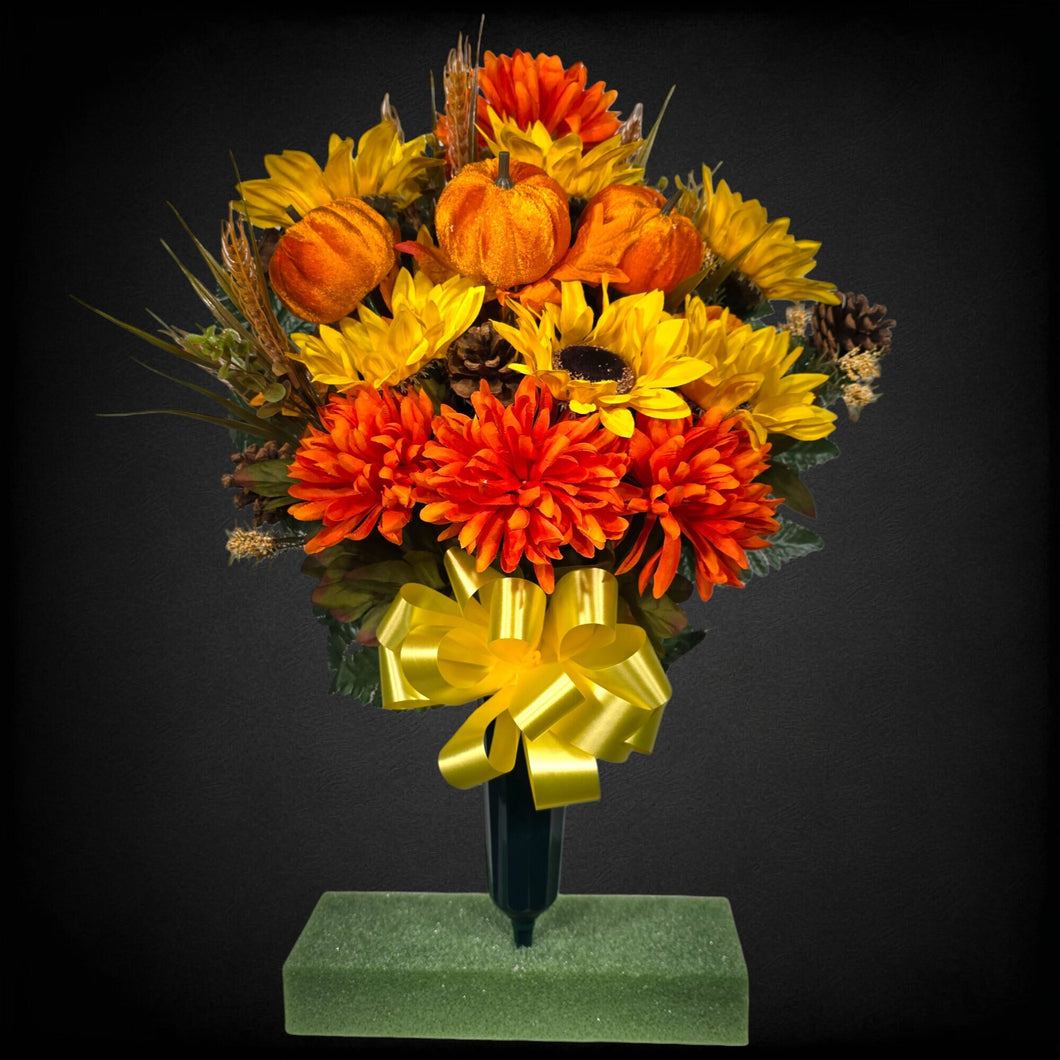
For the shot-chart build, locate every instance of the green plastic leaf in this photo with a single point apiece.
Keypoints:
(791, 541)
(804, 455)
(676, 646)
(784, 482)
(147, 336)
(239, 411)
(338, 642)
(686, 566)
(662, 618)
(644, 151)
(355, 666)
(287, 320)
(266, 478)
(761, 316)
(245, 420)
(265, 433)
(358, 675)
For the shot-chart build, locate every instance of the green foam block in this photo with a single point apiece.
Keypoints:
(611, 968)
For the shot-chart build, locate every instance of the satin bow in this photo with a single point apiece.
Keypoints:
(559, 672)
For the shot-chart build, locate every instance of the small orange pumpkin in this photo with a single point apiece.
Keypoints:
(503, 224)
(325, 264)
(625, 231)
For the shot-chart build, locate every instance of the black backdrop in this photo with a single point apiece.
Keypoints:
(857, 756)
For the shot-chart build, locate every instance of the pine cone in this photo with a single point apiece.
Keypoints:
(480, 353)
(855, 324)
(256, 454)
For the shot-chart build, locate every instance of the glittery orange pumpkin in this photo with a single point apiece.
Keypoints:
(325, 264)
(503, 224)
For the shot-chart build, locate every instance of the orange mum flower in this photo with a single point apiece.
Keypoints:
(526, 90)
(511, 482)
(356, 474)
(696, 479)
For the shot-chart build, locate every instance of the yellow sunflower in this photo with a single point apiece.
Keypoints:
(633, 356)
(426, 318)
(758, 250)
(579, 172)
(384, 166)
(748, 372)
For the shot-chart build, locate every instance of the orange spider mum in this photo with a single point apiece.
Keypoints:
(526, 90)
(356, 474)
(696, 479)
(511, 482)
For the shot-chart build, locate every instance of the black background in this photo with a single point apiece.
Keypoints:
(857, 756)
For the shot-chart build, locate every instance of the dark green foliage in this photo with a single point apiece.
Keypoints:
(676, 646)
(356, 667)
(791, 541)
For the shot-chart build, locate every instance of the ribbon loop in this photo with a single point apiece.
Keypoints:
(561, 674)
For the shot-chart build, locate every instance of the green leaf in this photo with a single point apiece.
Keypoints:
(784, 482)
(804, 455)
(791, 541)
(287, 320)
(265, 433)
(644, 151)
(358, 675)
(266, 478)
(338, 642)
(147, 336)
(676, 646)
(686, 565)
(761, 316)
(355, 666)
(250, 422)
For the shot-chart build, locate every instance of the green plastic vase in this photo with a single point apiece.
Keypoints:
(524, 850)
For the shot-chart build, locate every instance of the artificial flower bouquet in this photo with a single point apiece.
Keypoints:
(516, 403)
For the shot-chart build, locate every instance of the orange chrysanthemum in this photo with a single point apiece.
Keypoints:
(525, 90)
(696, 480)
(513, 483)
(357, 473)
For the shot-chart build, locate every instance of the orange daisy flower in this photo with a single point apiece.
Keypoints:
(356, 474)
(511, 482)
(696, 479)
(525, 90)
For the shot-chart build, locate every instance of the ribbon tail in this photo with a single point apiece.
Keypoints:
(559, 773)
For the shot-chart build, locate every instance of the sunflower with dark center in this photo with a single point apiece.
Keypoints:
(633, 356)
(757, 260)
(594, 364)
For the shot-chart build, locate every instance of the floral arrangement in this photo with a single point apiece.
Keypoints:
(516, 404)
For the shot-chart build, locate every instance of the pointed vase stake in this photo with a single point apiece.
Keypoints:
(524, 850)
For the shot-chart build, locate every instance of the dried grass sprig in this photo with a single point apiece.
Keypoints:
(460, 80)
(250, 292)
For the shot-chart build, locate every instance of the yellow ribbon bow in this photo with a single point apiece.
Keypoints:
(561, 673)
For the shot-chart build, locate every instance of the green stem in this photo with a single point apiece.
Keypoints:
(504, 179)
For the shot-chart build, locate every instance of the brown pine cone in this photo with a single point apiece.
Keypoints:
(854, 324)
(256, 454)
(480, 353)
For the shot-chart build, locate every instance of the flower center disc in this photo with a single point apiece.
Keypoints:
(594, 364)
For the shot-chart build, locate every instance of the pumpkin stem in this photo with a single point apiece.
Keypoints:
(504, 179)
(671, 202)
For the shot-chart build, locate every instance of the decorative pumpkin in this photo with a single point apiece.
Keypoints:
(325, 264)
(625, 238)
(503, 224)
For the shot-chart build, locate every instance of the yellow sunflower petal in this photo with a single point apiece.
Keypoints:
(740, 233)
